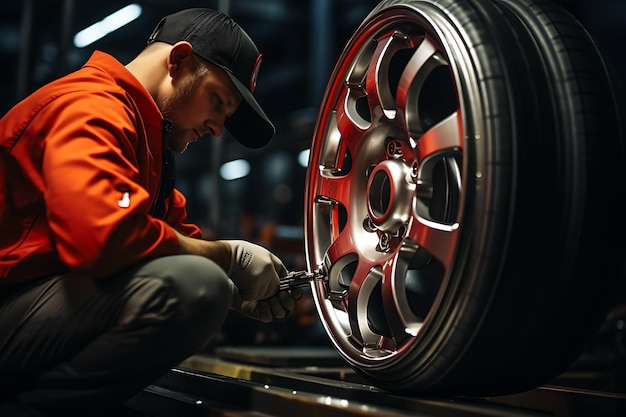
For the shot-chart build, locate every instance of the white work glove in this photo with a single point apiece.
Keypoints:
(276, 307)
(254, 270)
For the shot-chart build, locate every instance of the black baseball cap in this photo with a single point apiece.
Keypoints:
(220, 40)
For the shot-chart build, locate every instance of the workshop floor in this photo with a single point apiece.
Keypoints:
(287, 381)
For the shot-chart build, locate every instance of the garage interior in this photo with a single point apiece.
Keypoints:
(288, 367)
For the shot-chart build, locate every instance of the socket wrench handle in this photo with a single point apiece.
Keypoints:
(298, 279)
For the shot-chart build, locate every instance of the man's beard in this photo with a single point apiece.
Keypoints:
(175, 139)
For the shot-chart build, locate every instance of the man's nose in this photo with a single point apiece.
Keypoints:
(215, 127)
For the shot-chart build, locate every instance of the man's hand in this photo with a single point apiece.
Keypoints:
(267, 310)
(255, 271)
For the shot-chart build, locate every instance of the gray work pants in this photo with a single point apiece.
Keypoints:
(69, 343)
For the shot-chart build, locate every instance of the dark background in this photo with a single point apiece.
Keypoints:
(300, 41)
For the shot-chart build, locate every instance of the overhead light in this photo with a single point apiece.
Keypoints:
(303, 158)
(107, 25)
(236, 169)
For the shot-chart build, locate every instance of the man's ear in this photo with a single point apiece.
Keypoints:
(179, 54)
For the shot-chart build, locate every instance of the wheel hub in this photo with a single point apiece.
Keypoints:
(390, 191)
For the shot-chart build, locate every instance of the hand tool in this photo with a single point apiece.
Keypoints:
(297, 279)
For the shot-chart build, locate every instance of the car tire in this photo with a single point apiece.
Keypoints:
(465, 195)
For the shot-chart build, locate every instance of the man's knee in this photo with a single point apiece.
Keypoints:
(203, 287)
(188, 292)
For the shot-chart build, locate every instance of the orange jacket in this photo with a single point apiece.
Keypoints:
(80, 170)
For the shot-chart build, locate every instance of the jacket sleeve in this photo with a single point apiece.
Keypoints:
(96, 206)
(176, 215)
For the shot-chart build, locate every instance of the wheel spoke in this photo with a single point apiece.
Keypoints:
(336, 189)
(341, 130)
(445, 136)
(359, 296)
(400, 319)
(349, 122)
(422, 62)
(380, 96)
(339, 248)
(436, 238)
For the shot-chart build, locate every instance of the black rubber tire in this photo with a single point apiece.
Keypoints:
(542, 243)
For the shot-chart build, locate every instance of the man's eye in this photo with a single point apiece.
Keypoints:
(218, 101)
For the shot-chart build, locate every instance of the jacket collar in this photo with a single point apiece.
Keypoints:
(150, 112)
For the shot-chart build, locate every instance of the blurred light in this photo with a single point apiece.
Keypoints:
(303, 157)
(236, 169)
(284, 231)
(283, 193)
(107, 25)
(278, 167)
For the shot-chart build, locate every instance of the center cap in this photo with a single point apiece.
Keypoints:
(390, 191)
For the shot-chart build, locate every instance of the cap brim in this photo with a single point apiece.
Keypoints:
(249, 124)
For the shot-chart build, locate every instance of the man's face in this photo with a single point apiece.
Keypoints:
(199, 105)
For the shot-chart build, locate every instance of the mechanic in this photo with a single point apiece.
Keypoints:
(104, 285)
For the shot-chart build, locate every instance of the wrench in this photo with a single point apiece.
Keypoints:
(297, 279)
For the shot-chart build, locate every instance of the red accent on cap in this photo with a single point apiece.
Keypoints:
(255, 73)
